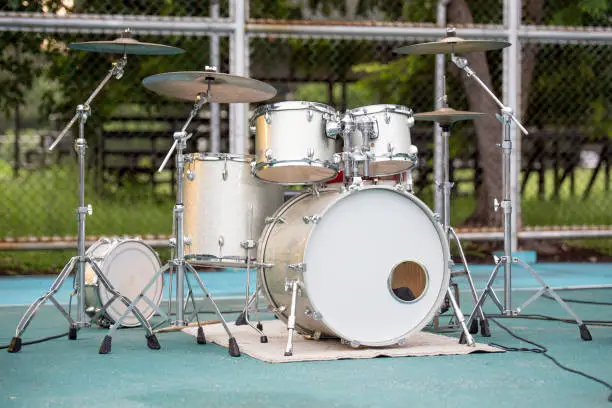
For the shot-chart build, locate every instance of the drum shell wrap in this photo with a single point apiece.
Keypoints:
(289, 132)
(327, 292)
(218, 204)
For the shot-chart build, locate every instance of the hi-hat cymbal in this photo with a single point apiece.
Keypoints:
(446, 116)
(452, 45)
(224, 88)
(126, 45)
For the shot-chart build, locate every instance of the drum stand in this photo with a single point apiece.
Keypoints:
(446, 186)
(507, 259)
(82, 113)
(182, 266)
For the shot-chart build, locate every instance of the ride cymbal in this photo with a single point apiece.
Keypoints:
(221, 88)
(446, 116)
(452, 44)
(126, 45)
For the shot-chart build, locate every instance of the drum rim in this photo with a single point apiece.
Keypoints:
(288, 163)
(210, 156)
(158, 296)
(380, 108)
(292, 105)
(439, 230)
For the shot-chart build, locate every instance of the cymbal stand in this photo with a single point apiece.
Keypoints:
(507, 260)
(446, 187)
(179, 241)
(82, 114)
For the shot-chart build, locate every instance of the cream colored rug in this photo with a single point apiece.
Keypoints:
(419, 344)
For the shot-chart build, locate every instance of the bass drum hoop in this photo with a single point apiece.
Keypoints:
(262, 245)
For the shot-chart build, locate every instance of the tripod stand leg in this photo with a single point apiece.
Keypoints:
(15, 344)
(488, 290)
(234, 350)
(291, 320)
(484, 324)
(152, 341)
(200, 338)
(465, 337)
(585, 334)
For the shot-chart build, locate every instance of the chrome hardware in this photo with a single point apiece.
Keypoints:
(311, 219)
(312, 314)
(496, 204)
(332, 128)
(298, 267)
(190, 175)
(309, 114)
(436, 217)
(270, 220)
(410, 121)
(310, 153)
(268, 154)
(253, 130)
(387, 116)
(336, 158)
(248, 244)
(225, 171)
(267, 117)
(354, 343)
(451, 263)
(89, 209)
(210, 68)
(221, 241)
(172, 242)
(401, 341)
(390, 149)
(187, 240)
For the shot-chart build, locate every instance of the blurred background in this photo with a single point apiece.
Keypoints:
(557, 76)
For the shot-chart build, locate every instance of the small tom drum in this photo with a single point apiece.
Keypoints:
(385, 131)
(128, 264)
(291, 143)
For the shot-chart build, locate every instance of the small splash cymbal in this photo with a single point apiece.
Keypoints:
(446, 116)
(454, 45)
(221, 88)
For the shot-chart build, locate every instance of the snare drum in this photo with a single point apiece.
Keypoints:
(128, 264)
(291, 143)
(224, 206)
(385, 130)
(385, 278)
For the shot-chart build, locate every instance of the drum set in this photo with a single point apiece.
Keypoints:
(356, 256)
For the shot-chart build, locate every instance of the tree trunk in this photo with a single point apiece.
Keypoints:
(488, 129)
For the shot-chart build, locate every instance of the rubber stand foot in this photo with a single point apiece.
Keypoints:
(462, 339)
(14, 345)
(585, 334)
(152, 342)
(474, 327)
(201, 339)
(259, 326)
(288, 353)
(105, 347)
(241, 319)
(263, 339)
(485, 330)
(234, 350)
(72, 333)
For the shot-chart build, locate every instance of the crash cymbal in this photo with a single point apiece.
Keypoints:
(224, 88)
(452, 44)
(446, 116)
(126, 45)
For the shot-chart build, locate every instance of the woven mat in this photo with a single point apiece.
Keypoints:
(419, 344)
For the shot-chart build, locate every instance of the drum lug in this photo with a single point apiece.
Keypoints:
(436, 217)
(390, 149)
(387, 117)
(297, 267)
(190, 175)
(248, 244)
(172, 242)
(268, 154)
(401, 341)
(187, 240)
(311, 219)
(332, 128)
(225, 171)
(352, 343)
(309, 114)
(272, 220)
(312, 314)
(310, 153)
(267, 117)
(253, 130)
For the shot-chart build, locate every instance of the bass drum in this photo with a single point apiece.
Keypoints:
(128, 264)
(373, 264)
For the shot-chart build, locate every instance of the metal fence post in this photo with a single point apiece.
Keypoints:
(215, 110)
(238, 66)
(511, 90)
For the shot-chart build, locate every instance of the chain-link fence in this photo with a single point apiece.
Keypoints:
(337, 53)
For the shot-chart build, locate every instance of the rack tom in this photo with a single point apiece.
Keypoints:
(291, 143)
